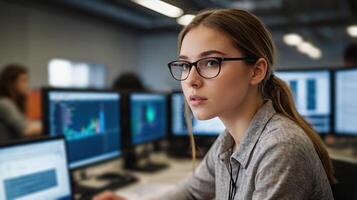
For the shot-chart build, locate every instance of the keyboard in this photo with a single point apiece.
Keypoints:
(116, 181)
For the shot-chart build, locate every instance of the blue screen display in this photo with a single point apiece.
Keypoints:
(90, 122)
(210, 127)
(148, 117)
(311, 93)
(345, 101)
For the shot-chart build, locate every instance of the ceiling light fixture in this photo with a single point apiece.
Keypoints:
(352, 30)
(185, 20)
(161, 7)
(292, 39)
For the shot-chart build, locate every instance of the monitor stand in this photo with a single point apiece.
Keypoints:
(148, 167)
(88, 186)
(142, 162)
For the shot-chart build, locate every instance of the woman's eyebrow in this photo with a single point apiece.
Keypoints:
(204, 54)
(207, 53)
(183, 57)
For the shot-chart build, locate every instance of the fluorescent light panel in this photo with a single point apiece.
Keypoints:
(310, 50)
(292, 39)
(352, 30)
(185, 20)
(161, 7)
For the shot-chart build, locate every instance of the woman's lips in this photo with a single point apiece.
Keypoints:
(197, 100)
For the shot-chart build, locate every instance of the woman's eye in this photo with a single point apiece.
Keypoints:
(185, 66)
(212, 63)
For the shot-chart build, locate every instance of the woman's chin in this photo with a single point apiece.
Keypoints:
(203, 116)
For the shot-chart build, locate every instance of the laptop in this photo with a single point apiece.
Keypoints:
(35, 169)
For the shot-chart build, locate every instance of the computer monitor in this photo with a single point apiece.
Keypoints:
(312, 95)
(35, 170)
(148, 117)
(210, 127)
(89, 120)
(345, 101)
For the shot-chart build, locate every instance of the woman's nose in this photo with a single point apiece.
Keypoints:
(194, 79)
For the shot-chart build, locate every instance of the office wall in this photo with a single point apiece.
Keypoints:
(155, 51)
(34, 35)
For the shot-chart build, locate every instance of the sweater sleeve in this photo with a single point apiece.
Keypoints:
(12, 118)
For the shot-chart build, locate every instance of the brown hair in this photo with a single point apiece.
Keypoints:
(250, 36)
(8, 77)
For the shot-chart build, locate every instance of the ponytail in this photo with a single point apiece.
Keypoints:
(279, 93)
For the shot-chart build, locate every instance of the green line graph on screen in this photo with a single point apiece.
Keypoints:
(83, 120)
(144, 116)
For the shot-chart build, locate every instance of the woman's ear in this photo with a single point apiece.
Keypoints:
(259, 71)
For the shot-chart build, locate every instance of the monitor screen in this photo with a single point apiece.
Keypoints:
(35, 170)
(210, 127)
(345, 101)
(311, 93)
(148, 117)
(90, 122)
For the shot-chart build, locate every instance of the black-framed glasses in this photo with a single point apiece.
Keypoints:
(208, 67)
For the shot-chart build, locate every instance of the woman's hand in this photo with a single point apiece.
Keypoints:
(107, 195)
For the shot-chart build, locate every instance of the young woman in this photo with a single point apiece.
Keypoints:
(268, 150)
(13, 92)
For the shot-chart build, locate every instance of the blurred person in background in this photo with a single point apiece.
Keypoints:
(350, 55)
(14, 86)
(127, 82)
(131, 82)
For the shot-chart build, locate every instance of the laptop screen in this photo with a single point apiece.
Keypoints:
(36, 170)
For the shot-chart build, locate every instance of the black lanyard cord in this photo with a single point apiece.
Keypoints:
(232, 183)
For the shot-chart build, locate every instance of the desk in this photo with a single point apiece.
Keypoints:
(156, 184)
(344, 154)
(149, 185)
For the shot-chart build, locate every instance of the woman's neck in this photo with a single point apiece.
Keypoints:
(237, 121)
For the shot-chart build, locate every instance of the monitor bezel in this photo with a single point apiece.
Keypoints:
(41, 139)
(46, 129)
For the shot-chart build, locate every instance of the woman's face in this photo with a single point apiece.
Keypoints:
(223, 94)
(21, 84)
